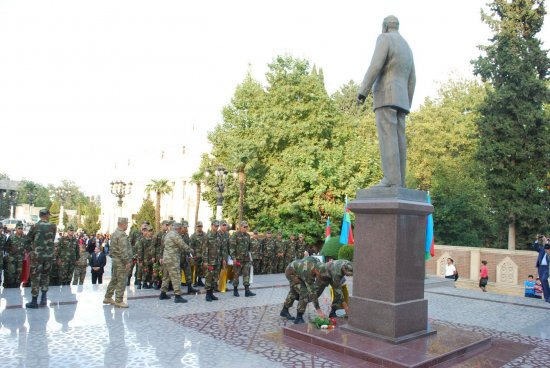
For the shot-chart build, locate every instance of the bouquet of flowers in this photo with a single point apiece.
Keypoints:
(325, 323)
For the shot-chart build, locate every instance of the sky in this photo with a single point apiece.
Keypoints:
(86, 83)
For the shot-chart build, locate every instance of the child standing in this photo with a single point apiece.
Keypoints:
(483, 276)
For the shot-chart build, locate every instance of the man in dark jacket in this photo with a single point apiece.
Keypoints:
(542, 246)
(97, 263)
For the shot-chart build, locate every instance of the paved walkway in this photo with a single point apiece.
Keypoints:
(76, 330)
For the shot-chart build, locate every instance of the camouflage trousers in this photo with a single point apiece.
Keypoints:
(171, 272)
(135, 265)
(147, 271)
(12, 272)
(244, 270)
(117, 285)
(257, 266)
(280, 267)
(338, 295)
(79, 275)
(186, 267)
(268, 265)
(200, 270)
(65, 271)
(212, 278)
(298, 291)
(40, 273)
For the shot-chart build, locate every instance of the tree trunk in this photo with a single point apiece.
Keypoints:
(198, 203)
(157, 210)
(241, 194)
(512, 236)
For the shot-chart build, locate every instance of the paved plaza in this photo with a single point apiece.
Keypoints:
(77, 330)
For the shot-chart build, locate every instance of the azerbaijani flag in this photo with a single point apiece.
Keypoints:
(346, 235)
(430, 241)
(327, 231)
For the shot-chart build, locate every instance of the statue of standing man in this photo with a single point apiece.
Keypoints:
(392, 79)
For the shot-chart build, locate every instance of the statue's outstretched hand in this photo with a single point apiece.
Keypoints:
(361, 99)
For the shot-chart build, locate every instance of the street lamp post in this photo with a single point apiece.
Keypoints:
(62, 194)
(220, 176)
(120, 190)
(30, 196)
(13, 200)
(239, 174)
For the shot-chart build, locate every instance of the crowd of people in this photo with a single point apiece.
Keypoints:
(169, 259)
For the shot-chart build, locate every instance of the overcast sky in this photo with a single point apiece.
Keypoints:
(82, 82)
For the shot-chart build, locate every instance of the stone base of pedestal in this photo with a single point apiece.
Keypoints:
(449, 345)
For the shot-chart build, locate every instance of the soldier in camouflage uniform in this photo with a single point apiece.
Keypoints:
(212, 257)
(268, 261)
(223, 234)
(15, 253)
(81, 266)
(302, 275)
(334, 274)
(67, 254)
(41, 238)
(2, 251)
(256, 249)
(145, 247)
(158, 246)
(121, 257)
(187, 258)
(290, 250)
(171, 259)
(300, 247)
(135, 235)
(240, 251)
(197, 240)
(54, 272)
(279, 253)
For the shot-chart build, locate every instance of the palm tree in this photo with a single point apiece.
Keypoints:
(160, 187)
(197, 179)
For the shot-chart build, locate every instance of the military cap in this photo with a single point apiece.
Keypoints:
(243, 224)
(43, 212)
(255, 231)
(70, 228)
(185, 224)
(177, 225)
(223, 223)
(19, 225)
(216, 223)
(347, 268)
(165, 222)
(199, 223)
(123, 220)
(300, 235)
(148, 228)
(268, 232)
(145, 222)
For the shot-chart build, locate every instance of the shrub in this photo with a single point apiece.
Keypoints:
(346, 252)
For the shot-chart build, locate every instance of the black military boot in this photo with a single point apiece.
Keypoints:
(43, 299)
(163, 296)
(32, 304)
(138, 285)
(247, 291)
(299, 318)
(156, 285)
(170, 287)
(179, 299)
(128, 280)
(235, 291)
(200, 283)
(146, 285)
(213, 296)
(190, 290)
(208, 295)
(332, 313)
(285, 313)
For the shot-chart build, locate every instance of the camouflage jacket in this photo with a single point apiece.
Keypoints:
(146, 248)
(41, 239)
(196, 242)
(211, 249)
(224, 242)
(15, 248)
(137, 248)
(187, 240)
(268, 248)
(120, 250)
(83, 258)
(331, 274)
(300, 248)
(256, 248)
(240, 246)
(290, 249)
(279, 247)
(173, 247)
(158, 243)
(2, 243)
(68, 250)
(302, 269)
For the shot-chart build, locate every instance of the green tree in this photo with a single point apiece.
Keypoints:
(146, 213)
(514, 146)
(91, 222)
(159, 187)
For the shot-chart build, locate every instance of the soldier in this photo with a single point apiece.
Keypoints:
(334, 274)
(279, 254)
(211, 258)
(197, 240)
(81, 265)
(240, 251)
(15, 253)
(224, 249)
(121, 257)
(146, 248)
(41, 238)
(67, 254)
(300, 247)
(171, 259)
(2, 252)
(290, 247)
(135, 235)
(159, 247)
(302, 275)
(268, 246)
(256, 249)
(187, 258)
(54, 272)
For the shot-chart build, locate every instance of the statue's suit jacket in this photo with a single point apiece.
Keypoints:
(391, 71)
